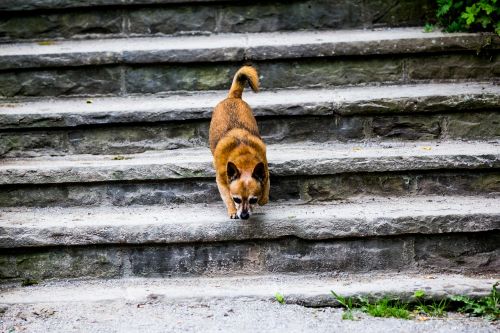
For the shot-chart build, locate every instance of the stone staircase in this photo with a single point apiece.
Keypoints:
(383, 140)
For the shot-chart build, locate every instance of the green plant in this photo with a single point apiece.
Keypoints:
(28, 282)
(385, 308)
(433, 309)
(279, 298)
(428, 27)
(346, 302)
(488, 307)
(469, 15)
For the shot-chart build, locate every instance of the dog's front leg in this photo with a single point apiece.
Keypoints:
(226, 197)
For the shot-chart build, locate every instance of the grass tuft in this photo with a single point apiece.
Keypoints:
(279, 298)
(386, 307)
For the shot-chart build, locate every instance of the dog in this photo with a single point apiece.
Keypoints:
(239, 153)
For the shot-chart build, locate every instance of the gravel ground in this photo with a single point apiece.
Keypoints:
(242, 315)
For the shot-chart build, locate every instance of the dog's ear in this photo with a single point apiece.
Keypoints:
(259, 172)
(232, 171)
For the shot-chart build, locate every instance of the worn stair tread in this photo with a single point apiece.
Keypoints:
(284, 160)
(307, 290)
(27, 5)
(238, 47)
(386, 99)
(369, 217)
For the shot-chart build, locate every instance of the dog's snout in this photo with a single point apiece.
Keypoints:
(244, 215)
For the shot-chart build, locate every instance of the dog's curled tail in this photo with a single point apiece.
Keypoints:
(244, 74)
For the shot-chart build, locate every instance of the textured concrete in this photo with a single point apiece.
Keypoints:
(307, 290)
(9, 5)
(243, 304)
(92, 19)
(134, 138)
(24, 227)
(284, 160)
(374, 100)
(304, 188)
(455, 66)
(60, 82)
(237, 47)
(317, 72)
(238, 315)
(472, 253)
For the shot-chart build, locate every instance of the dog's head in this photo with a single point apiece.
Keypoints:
(246, 186)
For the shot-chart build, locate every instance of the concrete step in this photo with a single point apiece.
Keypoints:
(42, 227)
(243, 304)
(125, 125)
(305, 290)
(434, 234)
(292, 59)
(48, 19)
(304, 171)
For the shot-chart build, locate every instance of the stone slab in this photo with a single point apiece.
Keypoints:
(238, 47)
(76, 81)
(156, 313)
(375, 100)
(136, 138)
(284, 160)
(77, 226)
(104, 19)
(11, 5)
(473, 253)
(306, 290)
(305, 188)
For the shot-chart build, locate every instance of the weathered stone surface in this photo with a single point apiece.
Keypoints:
(172, 20)
(286, 255)
(239, 47)
(290, 15)
(12, 5)
(484, 125)
(274, 74)
(60, 263)
(58, 82)
(284, 160)
(116, 194)
(60, 25)
(456, 66)
(374, 100)
(162, 78)
(192, 17)
(412, 127)
(330, 72)
(140, 138)
(397, 13)
(304, 73)
(28, 227)
(306, 189)
(305, 289)
(448, 251)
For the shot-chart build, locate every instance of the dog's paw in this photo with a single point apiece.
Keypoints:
(233, 216)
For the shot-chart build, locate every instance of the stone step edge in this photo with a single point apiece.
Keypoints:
(306, 290)
(27, 5)
(284, 160)
(239, 47)
(371, 100)
(375, 217)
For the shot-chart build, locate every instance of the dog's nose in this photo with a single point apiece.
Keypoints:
(244, 215)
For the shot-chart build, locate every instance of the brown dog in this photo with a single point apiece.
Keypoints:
(239, 154)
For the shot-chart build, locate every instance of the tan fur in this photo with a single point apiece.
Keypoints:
(235, 141)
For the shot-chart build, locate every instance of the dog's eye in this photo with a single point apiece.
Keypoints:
(252, 201)
(237, 200)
